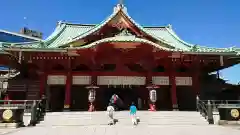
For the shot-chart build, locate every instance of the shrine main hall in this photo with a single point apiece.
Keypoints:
(80, 66)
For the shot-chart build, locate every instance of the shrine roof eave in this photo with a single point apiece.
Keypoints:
(124, 39)
(4, 52)
(65, 50)
(40, 47)
(60, 50)
(196, 49)
(213, 53)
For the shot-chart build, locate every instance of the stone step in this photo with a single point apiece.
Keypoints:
(142, 119)
(148, 121)
(87, 123)
(9, 125)
(146, 118)
(170, 113)
(123, 116)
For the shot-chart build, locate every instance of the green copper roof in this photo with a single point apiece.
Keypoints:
(66, 33)
(169, 36)
(122, 11)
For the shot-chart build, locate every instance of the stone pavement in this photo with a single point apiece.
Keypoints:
(95, 123)
(127, 130)
(6, 131)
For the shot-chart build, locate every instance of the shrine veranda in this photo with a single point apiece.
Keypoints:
(117, 56)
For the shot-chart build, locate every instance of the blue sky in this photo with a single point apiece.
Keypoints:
(214, 23)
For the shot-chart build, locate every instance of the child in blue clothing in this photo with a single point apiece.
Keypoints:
(133, 111)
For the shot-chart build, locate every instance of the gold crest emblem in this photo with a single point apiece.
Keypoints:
(7, 114)
(234, 113)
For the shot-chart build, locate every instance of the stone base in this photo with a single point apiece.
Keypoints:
(225, 122)
(66, 110)
(11, 125)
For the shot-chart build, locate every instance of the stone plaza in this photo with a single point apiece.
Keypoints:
(151, 123)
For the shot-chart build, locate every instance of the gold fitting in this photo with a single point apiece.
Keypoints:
(66, 106)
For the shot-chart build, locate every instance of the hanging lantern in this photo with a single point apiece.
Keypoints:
(91, 95)
(153, 95)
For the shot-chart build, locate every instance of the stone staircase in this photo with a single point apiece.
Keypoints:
(100, 118)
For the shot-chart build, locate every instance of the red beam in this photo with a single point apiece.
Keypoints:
(118, 73)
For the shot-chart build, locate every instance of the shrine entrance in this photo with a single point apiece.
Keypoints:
(164, 98)
(56, 97)
(186, 97)
(126, 94)
(79, 98)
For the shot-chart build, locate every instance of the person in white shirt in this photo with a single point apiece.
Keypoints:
(110, 113)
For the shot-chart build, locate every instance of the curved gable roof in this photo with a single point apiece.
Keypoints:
(74, 32)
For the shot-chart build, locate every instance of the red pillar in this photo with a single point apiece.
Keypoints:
(43, 82)
(196, 83)
(196, 76)
(67, 100)
(174, 91)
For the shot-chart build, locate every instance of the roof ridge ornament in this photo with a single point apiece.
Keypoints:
(169, 26)
(120, 2)
(60, 22)
(120, 6)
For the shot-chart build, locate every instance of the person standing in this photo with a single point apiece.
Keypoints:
(133, 111)
(110, 113)
(113, 101)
